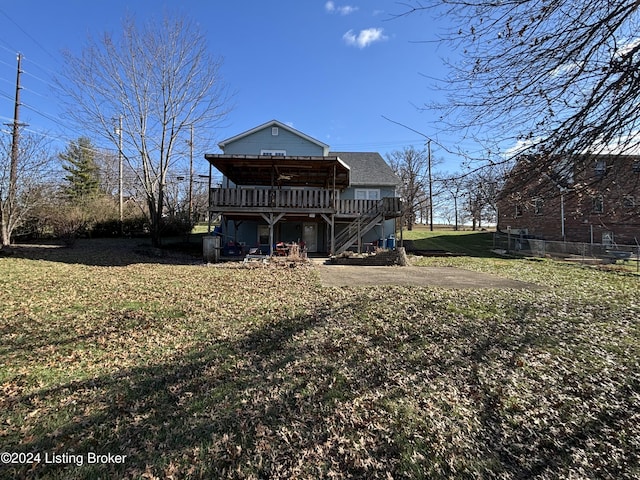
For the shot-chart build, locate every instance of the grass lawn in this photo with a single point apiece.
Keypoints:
(468, 242)
(192, 371)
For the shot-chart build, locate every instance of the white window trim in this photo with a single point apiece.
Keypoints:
(629, 201)
(274, 153)
(598, 204)
(538, 206)
(367, 194)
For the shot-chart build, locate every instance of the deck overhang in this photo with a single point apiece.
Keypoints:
(292, 171)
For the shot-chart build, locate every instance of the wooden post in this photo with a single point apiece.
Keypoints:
(270, 221)
(359, 237)
(333, 234)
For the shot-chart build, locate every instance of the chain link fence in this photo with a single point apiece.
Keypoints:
(572, 251)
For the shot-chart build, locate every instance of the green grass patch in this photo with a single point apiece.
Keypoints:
(473, 243)
(227, 372)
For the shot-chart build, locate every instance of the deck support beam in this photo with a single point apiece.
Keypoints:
(331, 221)
(271, 220)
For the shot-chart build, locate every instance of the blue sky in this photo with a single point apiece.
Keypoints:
(331, 69)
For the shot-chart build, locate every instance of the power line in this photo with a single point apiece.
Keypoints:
(8, 47)
(27, 34)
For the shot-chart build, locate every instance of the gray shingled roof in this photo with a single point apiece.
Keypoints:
(368, 168)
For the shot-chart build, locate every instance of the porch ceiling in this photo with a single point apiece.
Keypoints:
(294, 171)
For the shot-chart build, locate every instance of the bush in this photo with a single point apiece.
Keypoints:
(70, 223)
(111, 228)
(176, 225)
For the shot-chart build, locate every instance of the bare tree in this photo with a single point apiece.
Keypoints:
(30, 175)
(481, 188)
(454, 186)
(556, 78)
(411, 166)
(160, 80)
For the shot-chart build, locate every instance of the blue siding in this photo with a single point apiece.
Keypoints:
(246, 233)
(350, 193)
(264, 140)
(382, 231)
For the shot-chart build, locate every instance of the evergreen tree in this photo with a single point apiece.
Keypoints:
(82, 180)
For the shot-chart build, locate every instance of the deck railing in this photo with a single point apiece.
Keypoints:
(266, 197)
(307, 199)
(386, 206)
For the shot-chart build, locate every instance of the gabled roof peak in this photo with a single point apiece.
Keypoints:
(272, 123)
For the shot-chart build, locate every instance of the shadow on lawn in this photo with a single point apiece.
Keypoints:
(206, 414)
(561, 428)
(277, 403)
(110, 252)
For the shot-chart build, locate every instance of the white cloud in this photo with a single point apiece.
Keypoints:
(331, 7)
(364, 38)
(347, 9)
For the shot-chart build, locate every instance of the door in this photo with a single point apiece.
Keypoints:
(310, 236)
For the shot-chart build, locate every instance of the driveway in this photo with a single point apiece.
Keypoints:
(447, 277)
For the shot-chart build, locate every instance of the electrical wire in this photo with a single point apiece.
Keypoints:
(27, 33)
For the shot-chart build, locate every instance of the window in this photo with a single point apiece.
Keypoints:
(263, 234)
(601, 168)
(367, 194)
(274, 153)
(538, 203)
(518, 210)
(598, 204)
(274, 131)
(636, 167)
(629, 201)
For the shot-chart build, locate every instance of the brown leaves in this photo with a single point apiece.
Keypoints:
(206, 372)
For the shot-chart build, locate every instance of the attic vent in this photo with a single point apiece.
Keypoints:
(274, 131)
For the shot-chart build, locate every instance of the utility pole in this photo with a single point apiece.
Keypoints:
(8, 213)
(191, 176)
(430, 186)
(121, 174)
(13, 170)
(209, 219)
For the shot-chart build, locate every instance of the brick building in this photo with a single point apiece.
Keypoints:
(591, 199)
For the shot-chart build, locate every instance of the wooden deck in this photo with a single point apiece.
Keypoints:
(303, 201)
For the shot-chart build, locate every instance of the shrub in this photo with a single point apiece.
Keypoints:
(176, 225)
(112, 228)
(70, 223)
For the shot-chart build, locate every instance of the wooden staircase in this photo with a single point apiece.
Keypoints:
(360, 226)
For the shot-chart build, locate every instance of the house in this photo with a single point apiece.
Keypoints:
(589, 199)
(281, 185)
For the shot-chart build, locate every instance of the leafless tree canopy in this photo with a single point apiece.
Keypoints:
(33, 173)
(160, 79)
(411, 166)
(554, 77)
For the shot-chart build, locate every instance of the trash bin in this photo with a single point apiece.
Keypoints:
(381, 243)
(391, 242)
(211, 249)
